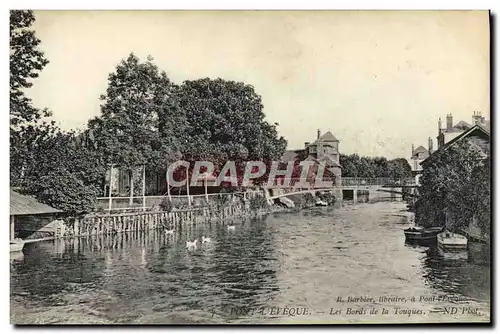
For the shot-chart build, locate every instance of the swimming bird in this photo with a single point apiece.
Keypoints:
(231, 228)
(190, 244)
(205, 240)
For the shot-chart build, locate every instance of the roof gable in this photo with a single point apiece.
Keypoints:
(463, 125)
(464, 134)
(28, 205)
(328, 136)
(420, 149)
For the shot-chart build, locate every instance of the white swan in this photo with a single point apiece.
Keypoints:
(231, 228)
(205, 240)
(190, 244)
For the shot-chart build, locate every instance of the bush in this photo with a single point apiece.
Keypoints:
(328, 197)
(258, 202)
(166, 205)
(309, 199)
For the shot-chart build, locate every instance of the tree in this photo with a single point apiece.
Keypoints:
(398, 168)
(127, 132)
(27, 123)
(225, 121)
(24, 141)
(66, 172)
(454, 182)
(355, 166)
(26, 61)
(140, 124)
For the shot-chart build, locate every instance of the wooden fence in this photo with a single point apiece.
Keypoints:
(149, 220)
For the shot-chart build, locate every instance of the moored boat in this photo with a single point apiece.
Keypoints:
(449, 241)
(16, 245)
(321, 203)
(422, 234)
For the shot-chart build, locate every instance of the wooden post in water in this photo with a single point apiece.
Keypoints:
(206, 190)
(143, 187)
(110, 187)
(131, 177)
(168, 186)
(187, 186)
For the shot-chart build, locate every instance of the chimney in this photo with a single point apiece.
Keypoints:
(430, 145)
(319, 133)
(449, 121)
(439, 126)
(306, 144)
(477, 118)
(412, 149)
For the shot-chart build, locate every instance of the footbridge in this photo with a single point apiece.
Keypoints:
(349, 187)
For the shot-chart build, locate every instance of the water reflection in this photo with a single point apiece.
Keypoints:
(300, 259)
(453, 273)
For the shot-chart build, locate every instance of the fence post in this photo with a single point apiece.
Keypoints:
(144, 188)
(110, 186)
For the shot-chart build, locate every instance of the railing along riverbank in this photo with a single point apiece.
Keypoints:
(138, 202)
(113, 223)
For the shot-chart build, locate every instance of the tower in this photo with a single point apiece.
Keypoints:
(430, 145)
(439, 126)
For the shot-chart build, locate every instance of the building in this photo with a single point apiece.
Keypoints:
(417, 156)
(324, 150)
(30, 219)
(479, 136)
(451, 131)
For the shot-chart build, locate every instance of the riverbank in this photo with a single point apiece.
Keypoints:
(299, 259)
(169, 217)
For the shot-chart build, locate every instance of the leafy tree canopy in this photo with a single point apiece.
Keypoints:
(26, 61)
(135, 127)
(455, 182)
(355, 166)
(225, 121)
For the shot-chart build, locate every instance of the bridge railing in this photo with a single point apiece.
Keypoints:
(298, 183)
(375, 181)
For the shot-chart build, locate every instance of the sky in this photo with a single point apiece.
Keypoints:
(377, 80)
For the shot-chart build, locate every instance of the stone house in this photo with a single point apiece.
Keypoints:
(323, 151)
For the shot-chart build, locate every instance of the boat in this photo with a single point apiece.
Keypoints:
(422, 233)
(321, 203)
(448, 241)
(17, 245)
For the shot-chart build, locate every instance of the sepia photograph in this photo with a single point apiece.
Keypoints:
(250, 167)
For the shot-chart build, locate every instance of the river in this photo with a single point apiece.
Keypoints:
(284, 268)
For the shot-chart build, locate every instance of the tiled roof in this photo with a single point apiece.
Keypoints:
(486, 126)
(289, 156)
(27, 205)
(454, 140)
(459, 127)
(463, 125)
(328, 137)
(327, 160)
(419, 149)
